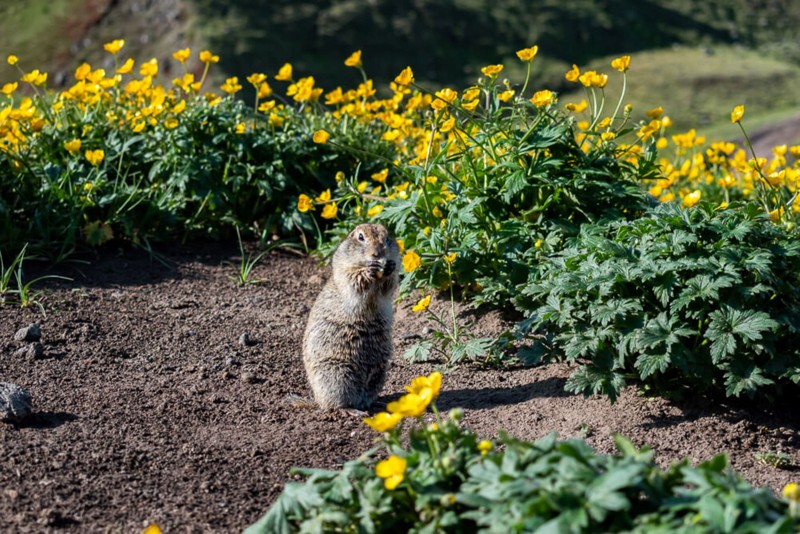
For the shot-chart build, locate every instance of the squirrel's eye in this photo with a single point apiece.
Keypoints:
(361, 237)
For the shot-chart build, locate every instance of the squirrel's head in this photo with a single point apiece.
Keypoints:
(371, 246)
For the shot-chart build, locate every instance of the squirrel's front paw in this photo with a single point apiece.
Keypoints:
(376, 269)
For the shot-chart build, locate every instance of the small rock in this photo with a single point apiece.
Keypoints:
(32, 332)
(248, 378)
(35, 350)
(244, 340)
(230, 361)
(15, 402)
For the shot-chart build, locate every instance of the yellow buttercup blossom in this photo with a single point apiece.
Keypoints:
(448, 124)
(264, 90)
(383, 421)
(321, 137)
(543, 98)
(412, 404)
(264, 107)
(150, 68)
(791, 492)
(182, 55)
(577, 108)
(401, 245)
(284, 73)
(422, 304)
(392, 470)
(573, 74)
(179, 107)
(380, 176)
(83, 71)
(95, 157)
(433, 382)
(470, 93)
(324, 196)
(12, 59)
(114, 46)
(411, 261)
(126, 67)
(34, 77)
(692, 198)
(527, 54)
(231, 85)
(485, 446)
(152, 528)
(256, 78)
(655, 112)
(207, 57)
(329, 211)
(450, 258)
(593, 79)
(73, 147)
(354, 59)
(470, 106)
(607, 136)
(443, 97)
(171, 123)
(505, 96)
(374, 210)
(304, 203)
(406, 77)
(621, 63)
(737, 114)
(362, 186)
(9, 88)
(492, 70)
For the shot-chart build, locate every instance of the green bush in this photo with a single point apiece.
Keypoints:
(445, 480)
(681, 298)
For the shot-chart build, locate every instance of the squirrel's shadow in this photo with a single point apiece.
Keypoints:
(490, 397)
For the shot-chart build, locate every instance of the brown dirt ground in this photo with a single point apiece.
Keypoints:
(148, 408)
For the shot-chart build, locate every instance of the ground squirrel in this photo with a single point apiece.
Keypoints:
(348, 339)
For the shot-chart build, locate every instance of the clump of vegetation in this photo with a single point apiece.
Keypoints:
(448, 480)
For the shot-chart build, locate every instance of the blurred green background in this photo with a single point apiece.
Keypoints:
(695, 58)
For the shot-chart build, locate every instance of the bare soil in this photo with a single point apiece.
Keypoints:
(150, 408)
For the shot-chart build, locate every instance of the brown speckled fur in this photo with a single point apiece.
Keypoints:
(348, 339)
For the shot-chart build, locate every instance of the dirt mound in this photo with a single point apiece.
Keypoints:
(150, 404)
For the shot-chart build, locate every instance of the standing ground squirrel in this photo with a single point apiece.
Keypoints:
(348, 340)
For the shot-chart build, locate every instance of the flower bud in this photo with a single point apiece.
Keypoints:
(456, 414)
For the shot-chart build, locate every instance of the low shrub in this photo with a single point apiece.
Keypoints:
(680, 298)
(447, 480)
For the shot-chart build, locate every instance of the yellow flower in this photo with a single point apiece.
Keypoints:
(450, 258)
(622, 63)
(527, 54)
(485, 446)
(339, 176)
(126, 67)
(406, 77)
(239, 128)
(73, 147)
(150, 68)
(437, 212)
(304, 203)
(152, 528)
(401, 245)
(95, 157)
(182, 55)
(12, 59)
(88, 186)
(266, 106)
(374, 210)
(380, 176)
(284, 73)
(791, 491)
(231, 85)
(383, 421)
(607, 136)
(114, 46)
(538, 243)
(9, 88)
(354, 59)
(443, 97)
(433, 381)
(505, 96)
(593, 79)
(392, 471)
(492, 70)
(324, 196)
(577, 108)
(412, 404)
(208, 58)
(448, 124)
(737, 114)
(655, 112)
(692, 198)
(264, 90)
(256, 78)
(543, 98)
(329, 211)
(573, 74)
(470, 106)
(83, 70)
(422, 304)
(321, 137)
(171, 123)
(34, 77)
(411, 261)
